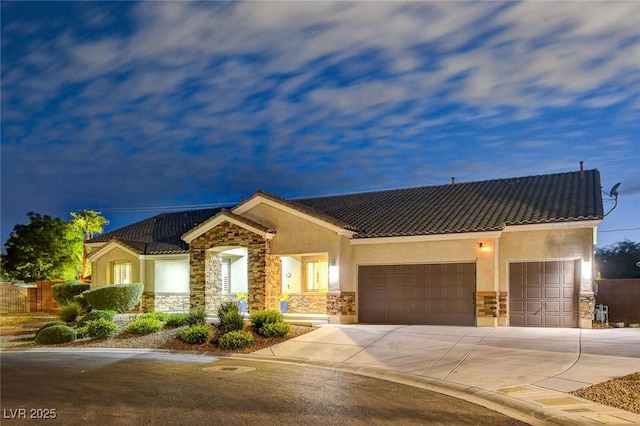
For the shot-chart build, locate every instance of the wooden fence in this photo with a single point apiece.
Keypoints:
(622, 296)
(15, 299)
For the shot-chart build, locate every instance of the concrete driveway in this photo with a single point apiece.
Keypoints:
(527, 364)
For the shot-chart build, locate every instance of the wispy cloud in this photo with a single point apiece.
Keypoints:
(221, 98)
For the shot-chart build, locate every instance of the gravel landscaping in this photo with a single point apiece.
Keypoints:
(18, 331)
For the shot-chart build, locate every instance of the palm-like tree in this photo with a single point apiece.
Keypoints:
(89, 222)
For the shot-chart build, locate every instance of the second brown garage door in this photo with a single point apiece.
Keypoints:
(439, 294)
(543, 294)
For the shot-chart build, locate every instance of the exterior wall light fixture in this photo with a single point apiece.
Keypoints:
(484, 247)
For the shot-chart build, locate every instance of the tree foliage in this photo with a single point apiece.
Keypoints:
(43, 249)
(619, 260)
(88, 223)
(49, 248)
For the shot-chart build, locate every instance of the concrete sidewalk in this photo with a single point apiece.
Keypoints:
(527, 369)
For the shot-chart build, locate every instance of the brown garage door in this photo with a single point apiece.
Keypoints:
(417, 294)
(543, 294)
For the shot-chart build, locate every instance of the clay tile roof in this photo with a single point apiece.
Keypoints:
(160, 234)
(467, 207)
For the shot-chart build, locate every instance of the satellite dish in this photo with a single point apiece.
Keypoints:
(614, 190)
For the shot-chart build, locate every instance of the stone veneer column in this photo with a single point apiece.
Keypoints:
(587, 308)
(196, 279)
(230, 235)
(273, 280)
(341, 307)
(212, 281)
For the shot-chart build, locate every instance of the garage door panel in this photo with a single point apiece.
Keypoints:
(552, 293)
(543, 294)
(417, 294)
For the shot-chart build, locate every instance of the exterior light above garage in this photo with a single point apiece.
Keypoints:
(483, 247)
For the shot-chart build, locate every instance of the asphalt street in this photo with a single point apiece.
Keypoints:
(154, 388)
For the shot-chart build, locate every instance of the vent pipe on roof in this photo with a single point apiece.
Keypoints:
(453, 180)
(581, 168)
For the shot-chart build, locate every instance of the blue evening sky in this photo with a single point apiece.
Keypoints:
(124, 106)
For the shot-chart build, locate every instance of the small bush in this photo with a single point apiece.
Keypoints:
(235, 339)
(196, 334)
(230, 317)
(275, 329)
(70, 311)
(94, 315)
(260, 318)
(160, 316)
(196, 317)
(82, 302)
(232, 321)
(49, 324)
(55, 334)
(102, 328)
(118, 297)
(63, 293)
(82, 332)
(146, 325)
(176, 320)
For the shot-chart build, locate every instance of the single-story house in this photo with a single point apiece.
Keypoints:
(503, 252)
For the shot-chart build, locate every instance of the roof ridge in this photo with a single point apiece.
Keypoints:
(444, 185)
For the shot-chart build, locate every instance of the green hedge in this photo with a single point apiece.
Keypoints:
(49, 324)
(94, 315)
(235, 339)
(55, 334)
(176, 320)
(63, 293)
(275, 329)
(144, 326)
(260, 318)
(118, 297)
(101, 328)
(196, 334)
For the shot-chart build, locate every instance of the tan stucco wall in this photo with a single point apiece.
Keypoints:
(295, 235)
(457, 251)
(550, 244)
(101, 269)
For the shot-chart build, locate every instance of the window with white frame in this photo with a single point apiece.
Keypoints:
(225, 269)
(121, 273)
(316, 274)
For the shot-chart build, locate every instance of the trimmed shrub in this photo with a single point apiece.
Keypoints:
(176, 320)
(160, 316)
(235, 339)
(94, 315)
(260, 318)
(119, 297)
(196, 317)
(196, 334)
(230, 317)
(82, 332)
(102, 328)
(49, 324)
(144, 326)
(275, 329)
(63, 293)
(55, 334)
(69, 312)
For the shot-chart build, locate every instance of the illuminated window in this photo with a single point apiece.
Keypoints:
(121, 273)
(225, 269)
(316, 274)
